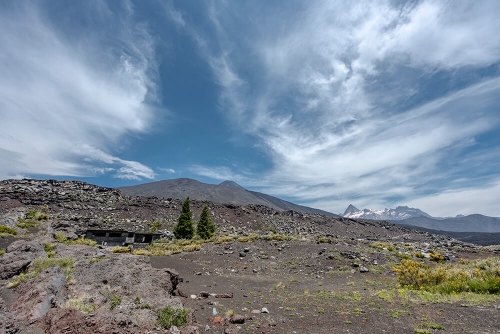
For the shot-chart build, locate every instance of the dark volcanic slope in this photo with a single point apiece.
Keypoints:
(471, 223)
(226, 192)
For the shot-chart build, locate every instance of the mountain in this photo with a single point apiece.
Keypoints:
(225, 192)
(470, 223)
(400, 213)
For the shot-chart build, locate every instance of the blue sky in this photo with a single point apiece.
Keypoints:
(324, 103)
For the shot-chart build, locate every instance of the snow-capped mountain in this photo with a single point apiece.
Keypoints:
(399, 213)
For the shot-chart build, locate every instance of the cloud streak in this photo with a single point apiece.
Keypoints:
(339, 96)
(65, 103)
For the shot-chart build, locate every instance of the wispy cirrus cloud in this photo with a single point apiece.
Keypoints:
(365, 102)
(66, 101)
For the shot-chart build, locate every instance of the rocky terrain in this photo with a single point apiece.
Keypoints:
(266, 271)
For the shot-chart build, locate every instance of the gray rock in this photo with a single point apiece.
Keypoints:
(40, 294)
(264, 310)
(363, 269)
(174, 330)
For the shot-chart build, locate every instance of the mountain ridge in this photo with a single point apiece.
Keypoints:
(413, 217)
(226, 192)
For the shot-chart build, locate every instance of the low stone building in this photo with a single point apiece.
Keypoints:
(122, 238)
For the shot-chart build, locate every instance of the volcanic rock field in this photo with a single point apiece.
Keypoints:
(265, 271)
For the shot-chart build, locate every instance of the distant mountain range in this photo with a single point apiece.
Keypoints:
(226, 192)
(399, 213)
(404, 215)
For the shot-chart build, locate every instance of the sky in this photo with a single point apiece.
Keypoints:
(322, 103)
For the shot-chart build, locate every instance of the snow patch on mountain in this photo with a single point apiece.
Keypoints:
(399, 213)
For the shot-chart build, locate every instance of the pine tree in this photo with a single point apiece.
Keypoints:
(184, 228)
(205, 227)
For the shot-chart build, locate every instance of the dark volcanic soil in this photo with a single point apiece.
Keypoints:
(328, 275)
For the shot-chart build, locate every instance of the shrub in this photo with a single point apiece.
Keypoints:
(84, 304)
(83, 241)
(477, 276)
(121, 249)
(36, 215)
(323, 240)
(184, 228)
(436, 257)
(115, 301)
(168, 317)
(2, 252)
(141, 251)
(192, 248)
(155, 226)
(49, 247)
(205, 228)
(419, 255)
(381, 245)
(7, 230)
(31, 219)
(61, 237)
(223, 238)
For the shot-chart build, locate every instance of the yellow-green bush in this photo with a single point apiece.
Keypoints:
(141, 251)
(249, 237)
(7, 230)
(84, 304)
(31, 219)
(436, 257)
(223, 238)
(381, 245)
(121, 249)
(419, 255)
(168, 316)
(192, 248)
(83, 241)
(62, 238)
(275, 237)
(477, 276)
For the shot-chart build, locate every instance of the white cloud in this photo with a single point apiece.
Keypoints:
(325, 91)
(59, 95)
(168, 170)
(465, 201)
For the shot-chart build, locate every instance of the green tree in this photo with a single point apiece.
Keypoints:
(205, 227)
(184, 228)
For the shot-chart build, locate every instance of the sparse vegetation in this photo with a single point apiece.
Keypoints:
(382, 245)
(223, 238)
(62, 238)
(477, 276)
(40, 264)
(115, 301)
(84, 304)
(436, 257)
(50, 249)
(6, 230)
(141, 251)
(168, 316)
(432, 325)
(155, 226)
(121, 249)
(2, 252)
(32, 218)
(422, 331)
(184, 228)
